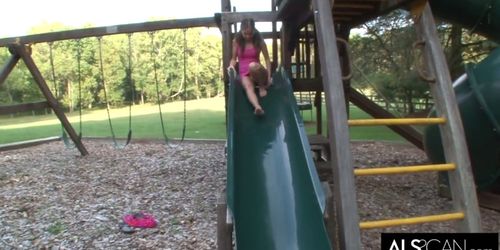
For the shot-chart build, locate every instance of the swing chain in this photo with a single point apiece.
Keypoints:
(152, 54)
(185, 88)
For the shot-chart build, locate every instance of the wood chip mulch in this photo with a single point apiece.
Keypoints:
(53, 198)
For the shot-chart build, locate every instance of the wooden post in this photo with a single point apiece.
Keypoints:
(224, 225)
(317, 96)
(319, 112)
(22, 52)
(463, 190)
(275, 39)
(308, 52)
(226, 47)
(224, 232)
(298, 71)
(342, 166)
(285, 50)
(7, 68)
(346, 67)
(329, 216)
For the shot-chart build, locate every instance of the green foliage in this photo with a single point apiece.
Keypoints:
(387, 63)
(74, 69)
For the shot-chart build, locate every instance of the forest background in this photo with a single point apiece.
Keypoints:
(155, 67)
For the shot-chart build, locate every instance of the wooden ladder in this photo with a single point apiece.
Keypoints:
(465, 207)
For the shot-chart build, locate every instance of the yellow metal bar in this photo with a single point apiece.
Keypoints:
(405, 170)
(396, 121)
(411, 221)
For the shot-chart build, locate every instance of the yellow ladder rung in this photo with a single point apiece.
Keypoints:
(411, 221)
(396, 121)
(405, 170)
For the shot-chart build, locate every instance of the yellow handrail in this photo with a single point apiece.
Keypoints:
(405, 170)
(410, 221)
(396, 121)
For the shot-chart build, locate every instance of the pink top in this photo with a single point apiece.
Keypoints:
(245, 57)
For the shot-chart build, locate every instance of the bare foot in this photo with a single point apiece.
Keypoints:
(259, 111)
(262, 91)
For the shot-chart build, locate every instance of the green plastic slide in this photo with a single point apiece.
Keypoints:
(273, 190)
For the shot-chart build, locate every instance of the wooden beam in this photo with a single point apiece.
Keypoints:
(314, 84)
(370, 107)
(225, 29)
(308, 52)
(111, 30)
(224, 229)
(342, 18)
(8, 67)
(286, 57)
(29, 143)
(338, 6)
(382, 11)
(22, 52)
(225, 5)
(318, 103)
(258, 16)
(275, 38)
(291, 9)
(346, 13)
(10, 109)
(270, 35)
(452, 132)
(342, 165)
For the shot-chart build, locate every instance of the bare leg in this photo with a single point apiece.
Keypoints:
(259, 75)
(248, 85)
(262, 91)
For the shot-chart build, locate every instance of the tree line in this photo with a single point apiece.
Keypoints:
(385, 63)
(119, 70)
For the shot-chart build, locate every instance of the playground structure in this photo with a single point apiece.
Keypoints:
(274, 198)
(269, 207)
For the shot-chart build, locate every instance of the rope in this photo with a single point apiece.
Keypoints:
(101, 68)
(152, 55)
(132, 89)
(79, 58)
(185, 89)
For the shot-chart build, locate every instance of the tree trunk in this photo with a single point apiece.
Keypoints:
(70, 95)
(411, 106)
(198, 92)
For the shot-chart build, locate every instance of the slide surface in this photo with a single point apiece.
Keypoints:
(273, 190)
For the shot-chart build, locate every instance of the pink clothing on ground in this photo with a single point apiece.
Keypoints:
(245, 57)
(140, 219)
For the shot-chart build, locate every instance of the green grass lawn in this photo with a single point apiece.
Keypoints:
(205, 119)
(356, 133)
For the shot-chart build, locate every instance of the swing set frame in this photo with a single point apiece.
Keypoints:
(20, 49)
